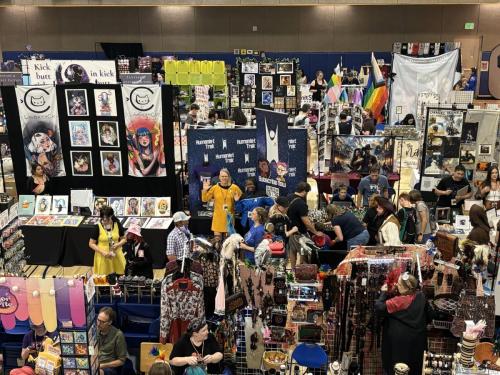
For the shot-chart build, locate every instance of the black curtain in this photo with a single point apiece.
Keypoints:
(101, 185)
(113, 50)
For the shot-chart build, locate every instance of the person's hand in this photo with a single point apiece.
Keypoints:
(384, 288)
(191, 361)
(295, 229)
(114, 247)
(459, 198)
(206, 185)
(236, 196)
(208, 359)
(448, 192)
(420, 237)
(486, 189)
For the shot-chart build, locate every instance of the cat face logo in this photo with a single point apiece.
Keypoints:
(36, 100)
(141, 97)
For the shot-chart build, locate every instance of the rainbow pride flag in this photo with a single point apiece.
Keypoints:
(376, 94)
(334, 88)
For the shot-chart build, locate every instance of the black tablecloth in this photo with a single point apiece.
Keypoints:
(69, 246)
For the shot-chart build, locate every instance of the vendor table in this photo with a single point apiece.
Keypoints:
(69, 246)
(324, 182)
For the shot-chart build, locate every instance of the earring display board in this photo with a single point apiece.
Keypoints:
(268, 84)
(442, 140)
(98, 159)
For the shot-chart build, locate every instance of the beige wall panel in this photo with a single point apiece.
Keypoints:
(316, 29)
(240, 28)
(178, 29)
(44, 28)
(280, 29)
(150, 24)
(455, 17)
(77, 29)
(386, 28)
(350, 35)
(212, 29)
(13, 29)
(421, 23)
(489, 25)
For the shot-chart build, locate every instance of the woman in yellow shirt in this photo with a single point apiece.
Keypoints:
(107, 242)
(224, 195)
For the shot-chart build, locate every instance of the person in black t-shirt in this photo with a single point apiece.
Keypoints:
(347, 227)
(371, 220)
(297, 212)
(277, 216)
(447, 189)
(345, 127)
(342, 196)
(197, 347)
(407, 217)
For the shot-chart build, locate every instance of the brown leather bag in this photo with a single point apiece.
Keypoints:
(235, 303)
(447, 244)
(306, 273)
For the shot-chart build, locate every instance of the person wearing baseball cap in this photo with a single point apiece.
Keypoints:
(137, 254)
(283, 227)
(178, 237)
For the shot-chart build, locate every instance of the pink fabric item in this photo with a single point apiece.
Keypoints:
(399, 303)
(220, 297)
(25, 370)
(135, 229)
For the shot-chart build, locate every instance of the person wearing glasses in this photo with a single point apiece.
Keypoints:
(197, 347)
(112, 345)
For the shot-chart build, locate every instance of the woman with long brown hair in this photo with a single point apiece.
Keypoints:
(490, 188)
(388, 233)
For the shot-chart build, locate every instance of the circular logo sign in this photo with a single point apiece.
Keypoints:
(142, 98)
(36, 100)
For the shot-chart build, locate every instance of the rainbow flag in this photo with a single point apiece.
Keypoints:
(334, 88)
(376, 94)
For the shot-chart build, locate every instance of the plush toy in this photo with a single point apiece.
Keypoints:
(230, 245)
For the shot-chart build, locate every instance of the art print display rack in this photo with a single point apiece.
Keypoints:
(12, 257)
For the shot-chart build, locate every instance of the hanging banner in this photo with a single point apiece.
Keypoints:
(272, 151)
(414, 75)
(143, 119)
(39, 119)
(48, 72)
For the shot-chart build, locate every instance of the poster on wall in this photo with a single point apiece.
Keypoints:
(48, 72)
(442, 142)
(39, 120)
(406, 153)
(272, 151)
(143, 119)
(359, 153)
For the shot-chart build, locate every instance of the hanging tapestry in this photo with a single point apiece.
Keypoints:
(143, 120)
(39, 120)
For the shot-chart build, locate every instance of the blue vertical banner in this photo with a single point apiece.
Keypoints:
(272, 152)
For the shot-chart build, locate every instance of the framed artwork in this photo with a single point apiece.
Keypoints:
(59, 205)
(483, 166)
(162, 206)
(105, 102)
(267, 82)
(159, 223)
(484, 149)
(26, 205)
(443, 214)
(132, 206)
(108, 133)
(284, 67)
(291, 102)
(99, 203)
(467, 156)
(267, 68)
(117, 204)
(76, 102)
(250, 67)
(111, 163)
(140, 221)
(235, 90)
(43, 204)
(267, 97)
(469, 132)
(79, 134)
(81, 163)
(285, 80)
(249, 80)
(148, 206)
(290, 91)
(280, 90)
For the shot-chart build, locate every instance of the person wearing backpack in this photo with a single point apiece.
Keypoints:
(424, 230)
(407, 218)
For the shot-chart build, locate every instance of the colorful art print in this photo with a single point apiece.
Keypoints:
(81, 163)
(469, 132)
(117, 204)
(91, 220)
(249, 80)
(267, 68)
(235, 90)
(80, 337)
(69, 362)
(484, 149)
(57, 221)
(99, 203)
(79, 133)
(247, 94)
(66, 337)
(290, 91)
(108, 133)
(81, 349)
(445, 122)
(467, 156)
(132, 206)
(41, 220)
(434, 163)
(82, 363)
(105, 102)
(111, 163)
(250, 67)
(26, 205)
(140, 221)
(267, 82)
(67, 349)
(291, 102)
(43, 204)
(360, 153)
(59, 205)
(72, 221)
(267, 97)
(280, 90)
(483, 166)
(159, 223)
(148, 206)
(279, 103)
(285, 80)
(76, 102)
(285, 67)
